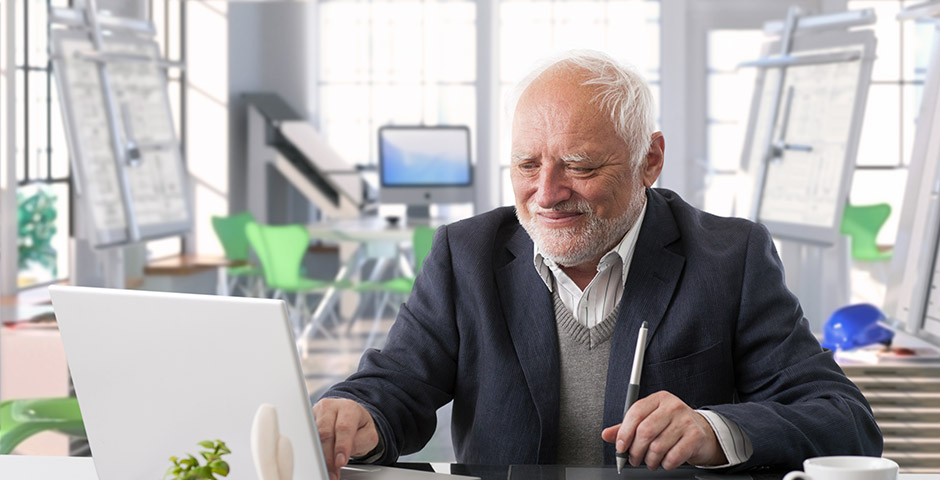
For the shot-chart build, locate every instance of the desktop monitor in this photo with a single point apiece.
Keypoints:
(420, 166)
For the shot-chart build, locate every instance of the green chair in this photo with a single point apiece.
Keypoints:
(230, 231)
(396, 290)
(281, 250)
(23, 418)
(862, 223)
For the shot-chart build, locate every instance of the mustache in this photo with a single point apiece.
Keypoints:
(579, 206)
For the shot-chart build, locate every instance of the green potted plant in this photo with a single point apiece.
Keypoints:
(188, 468)
(36, 217)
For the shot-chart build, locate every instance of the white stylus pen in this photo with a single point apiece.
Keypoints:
(634, 389)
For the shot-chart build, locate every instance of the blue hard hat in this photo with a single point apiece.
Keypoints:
(855, 326)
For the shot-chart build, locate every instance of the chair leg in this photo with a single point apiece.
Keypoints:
(374, 331)
(222, 282)
(232, 284)
(360, 310)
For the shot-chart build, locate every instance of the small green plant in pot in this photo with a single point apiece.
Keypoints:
(36, 227)
(188, 468)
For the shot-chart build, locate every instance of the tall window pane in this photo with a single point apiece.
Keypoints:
(728, 107)
(393, 62)
(884, 150)
(42, 172)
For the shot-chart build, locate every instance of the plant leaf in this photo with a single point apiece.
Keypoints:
(220, 467)
(206, 444)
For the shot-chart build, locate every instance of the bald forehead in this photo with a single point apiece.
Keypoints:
(560, 81)
(558, 97)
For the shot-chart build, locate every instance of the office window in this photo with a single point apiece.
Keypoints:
(728, 106)
(884, 151)
(529, 31)
(167, 17)
(393, 62)
(42, 163)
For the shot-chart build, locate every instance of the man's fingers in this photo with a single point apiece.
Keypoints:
(662, 431)
(651, 428)
(638, 413)
(679, 453)
(661, 444)
(346, 426)
(331, 467)
(326, 419)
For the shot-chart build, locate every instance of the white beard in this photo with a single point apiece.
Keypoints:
(575, 245)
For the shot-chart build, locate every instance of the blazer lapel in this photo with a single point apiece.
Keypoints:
(654, 274)
(527, 306)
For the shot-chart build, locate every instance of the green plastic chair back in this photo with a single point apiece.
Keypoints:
(23, 418)
(281, 249)
(421, 241)
(862, 223)
(231, 233)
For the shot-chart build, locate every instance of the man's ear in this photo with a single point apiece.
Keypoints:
(653, 163)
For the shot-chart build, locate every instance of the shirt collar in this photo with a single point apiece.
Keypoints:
(623, 251)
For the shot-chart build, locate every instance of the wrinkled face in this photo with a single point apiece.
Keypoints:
(576, 191)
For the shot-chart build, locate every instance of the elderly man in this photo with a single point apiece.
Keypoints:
(527, 317)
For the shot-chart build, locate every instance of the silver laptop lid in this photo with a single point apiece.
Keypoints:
(157, 373)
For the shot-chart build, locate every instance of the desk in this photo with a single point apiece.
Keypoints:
(179, 266)
(24, 467)
(30, 467)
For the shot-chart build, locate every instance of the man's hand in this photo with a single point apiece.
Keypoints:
(346, 430)
(665, 432)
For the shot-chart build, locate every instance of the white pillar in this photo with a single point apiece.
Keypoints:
(487, 174)
(8, 237)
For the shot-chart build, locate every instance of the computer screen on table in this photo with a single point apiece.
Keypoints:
(421, 165)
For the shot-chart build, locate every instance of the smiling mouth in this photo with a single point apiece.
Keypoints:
(558, 218)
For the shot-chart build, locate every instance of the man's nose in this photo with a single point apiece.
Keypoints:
(553, 187)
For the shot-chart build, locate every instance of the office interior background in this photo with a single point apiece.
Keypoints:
(349, 67)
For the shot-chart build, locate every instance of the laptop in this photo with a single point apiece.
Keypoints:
(157, 373)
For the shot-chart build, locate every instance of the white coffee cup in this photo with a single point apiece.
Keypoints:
(846, 468)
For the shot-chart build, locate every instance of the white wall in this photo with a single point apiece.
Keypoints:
(232, 49)
(270, 50)
(206, 89)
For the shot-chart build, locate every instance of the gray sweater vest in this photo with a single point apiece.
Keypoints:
(584, 354)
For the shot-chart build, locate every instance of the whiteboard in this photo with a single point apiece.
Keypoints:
(159, 201)
(804, 189)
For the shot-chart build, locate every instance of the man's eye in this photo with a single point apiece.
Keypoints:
(581, 170)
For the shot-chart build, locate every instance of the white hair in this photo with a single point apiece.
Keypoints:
(621, 91)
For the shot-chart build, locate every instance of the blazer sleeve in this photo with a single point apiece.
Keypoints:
(404, 384)
(794, 400)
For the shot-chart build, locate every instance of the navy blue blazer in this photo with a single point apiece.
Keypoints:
(724, 334)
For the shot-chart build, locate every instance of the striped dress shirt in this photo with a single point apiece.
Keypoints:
(592, 305)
